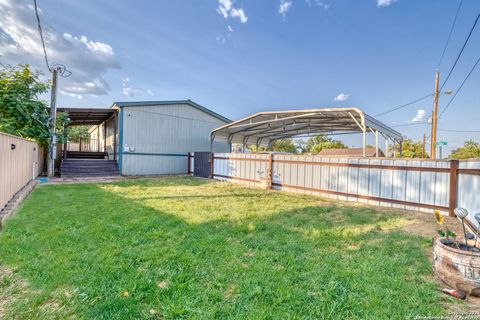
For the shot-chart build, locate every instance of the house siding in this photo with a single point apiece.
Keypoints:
(156, 139)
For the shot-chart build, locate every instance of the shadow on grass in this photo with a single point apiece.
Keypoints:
(307, 262)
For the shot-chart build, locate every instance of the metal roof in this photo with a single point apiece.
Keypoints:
(84, 116)
(264, 127)
(122, 104)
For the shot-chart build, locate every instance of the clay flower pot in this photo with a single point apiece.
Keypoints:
(459, 269)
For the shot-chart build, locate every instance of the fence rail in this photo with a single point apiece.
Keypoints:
(421, 185)
(21, 160)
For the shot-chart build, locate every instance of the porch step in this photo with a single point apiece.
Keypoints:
(74, 168)
(86, 155)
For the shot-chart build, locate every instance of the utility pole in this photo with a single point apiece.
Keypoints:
(433, 135)
(53, 116)
(423, 145)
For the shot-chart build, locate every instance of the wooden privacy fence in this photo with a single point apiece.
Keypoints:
(21, 160)
(422, 185)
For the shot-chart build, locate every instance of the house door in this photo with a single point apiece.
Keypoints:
(202, 164)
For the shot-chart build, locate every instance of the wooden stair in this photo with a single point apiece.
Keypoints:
(86, 155)
(77, 168)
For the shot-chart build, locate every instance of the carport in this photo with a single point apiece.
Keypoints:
(262, 128)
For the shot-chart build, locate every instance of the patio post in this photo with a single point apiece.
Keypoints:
(105, 136)
(115, 119)
(65, 131)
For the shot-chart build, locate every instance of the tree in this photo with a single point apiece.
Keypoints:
(282, 145)
(410, 149)
(470, 149)
(77, 133)
(320, 142)
(22, 113)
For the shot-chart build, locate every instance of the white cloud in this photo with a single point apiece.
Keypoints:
(319, 3)
(130, 90)
(384, 3)
(239, 13)
(284, 7)
(341, 97)
(88, 60)
(230, 29)
(226, 9)
(419, 116)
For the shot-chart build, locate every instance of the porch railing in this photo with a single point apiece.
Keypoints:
(91, 145)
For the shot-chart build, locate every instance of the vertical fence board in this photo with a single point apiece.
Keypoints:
(17, 166)
(399, 183)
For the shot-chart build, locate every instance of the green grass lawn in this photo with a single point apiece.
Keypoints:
(178, 248)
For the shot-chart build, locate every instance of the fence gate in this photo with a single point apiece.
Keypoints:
(202, 164)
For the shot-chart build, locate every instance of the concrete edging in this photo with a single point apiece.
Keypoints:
(12, 205)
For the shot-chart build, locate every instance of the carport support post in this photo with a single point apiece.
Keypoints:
(364, 142)
(212, 155)
(376, 143)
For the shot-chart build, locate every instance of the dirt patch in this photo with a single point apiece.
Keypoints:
(16, 297)
(12, 289)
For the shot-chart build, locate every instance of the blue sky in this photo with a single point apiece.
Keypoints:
(244, 56)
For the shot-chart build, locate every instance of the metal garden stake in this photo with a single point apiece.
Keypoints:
(462, 213)
(477, 217)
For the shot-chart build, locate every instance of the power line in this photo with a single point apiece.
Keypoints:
(459, 131)
(450, 34)
(404, 105)
(61, 69)
(460, 53)
(410, 124)
(460, 88)
(40, 31)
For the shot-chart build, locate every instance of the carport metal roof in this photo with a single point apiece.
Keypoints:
(84, 116)
(263, 128)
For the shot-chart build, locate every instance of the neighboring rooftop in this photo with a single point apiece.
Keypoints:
(350, 152)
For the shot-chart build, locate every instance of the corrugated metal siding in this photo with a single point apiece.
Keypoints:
(167, 133)
(468, 187)
(18, 166)
(290, 174)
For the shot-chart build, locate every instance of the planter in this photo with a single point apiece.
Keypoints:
(265, 184)
(457, 268)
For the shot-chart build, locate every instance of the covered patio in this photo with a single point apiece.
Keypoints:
(97, 119)
(263, 128)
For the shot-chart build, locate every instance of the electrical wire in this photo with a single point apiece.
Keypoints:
(60, 68)
(459, 88)
(409, 124)
(404, 105)
(171, 115)
(40, 31)
(450, 34)
(460, 53)
(459, 131)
